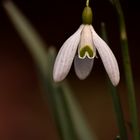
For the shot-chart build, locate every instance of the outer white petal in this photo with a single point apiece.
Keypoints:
(83, 67)
(66, 55)
(108, 58)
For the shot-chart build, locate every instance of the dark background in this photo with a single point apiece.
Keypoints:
(22, 110)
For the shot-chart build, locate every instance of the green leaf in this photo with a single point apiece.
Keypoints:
(68, 117)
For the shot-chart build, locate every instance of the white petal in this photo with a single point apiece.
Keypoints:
(83, 67)
(66, 55)
(108, 58)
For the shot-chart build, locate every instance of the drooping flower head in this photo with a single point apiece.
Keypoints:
(81, 48)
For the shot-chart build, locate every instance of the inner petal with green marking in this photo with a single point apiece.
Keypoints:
(86, 47)
(86, 51)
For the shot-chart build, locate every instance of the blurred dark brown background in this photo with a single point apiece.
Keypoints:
(23, 113)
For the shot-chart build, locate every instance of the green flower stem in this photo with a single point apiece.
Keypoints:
(60, 110)
(119, 113)
(116, 99)
(68, 118)
(57, 100)
(80, 124)
(70, 121)
(28, 34)
(87, 3)
(127, 70)
(37, 48)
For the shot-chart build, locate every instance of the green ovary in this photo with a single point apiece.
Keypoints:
(85, 50)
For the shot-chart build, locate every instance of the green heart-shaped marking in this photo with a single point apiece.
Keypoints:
(85, 50)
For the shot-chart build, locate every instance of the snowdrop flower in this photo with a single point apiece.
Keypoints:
(81, 48)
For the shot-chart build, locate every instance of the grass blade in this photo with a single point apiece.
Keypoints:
(127, 70)
(44, 61)
(116, 99)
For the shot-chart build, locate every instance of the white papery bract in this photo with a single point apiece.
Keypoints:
(81, 47)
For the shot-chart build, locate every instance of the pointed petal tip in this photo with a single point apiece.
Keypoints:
(116, 82)
(58, 78)
(115, 77)
(82, 78)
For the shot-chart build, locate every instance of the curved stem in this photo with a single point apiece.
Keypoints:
(127, 70)
(87, 3)
(116, 99)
